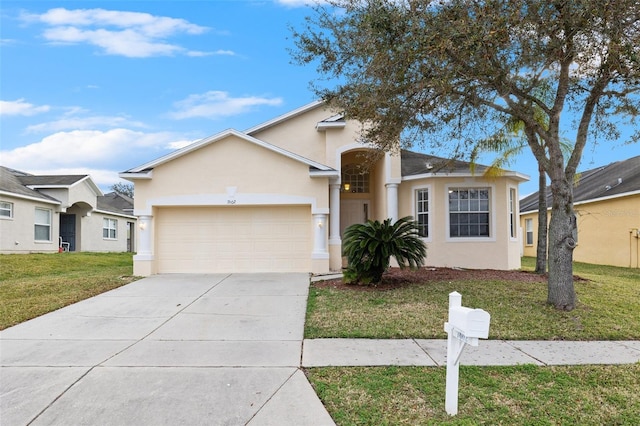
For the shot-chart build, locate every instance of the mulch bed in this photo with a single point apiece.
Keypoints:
(396, 278)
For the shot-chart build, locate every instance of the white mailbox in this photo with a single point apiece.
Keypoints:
(464, 327)
(471, 322)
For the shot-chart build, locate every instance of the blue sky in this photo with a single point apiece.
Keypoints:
(98, 87)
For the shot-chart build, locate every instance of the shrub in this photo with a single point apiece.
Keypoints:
(369, 247)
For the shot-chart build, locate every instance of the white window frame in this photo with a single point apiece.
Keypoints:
(111, 227)
(528, 226)
(355, 180)
(513, 213)
(492, 211)
(429, 213)
(6, 206)
(36, 224)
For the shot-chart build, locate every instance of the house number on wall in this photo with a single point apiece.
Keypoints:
(231, 201)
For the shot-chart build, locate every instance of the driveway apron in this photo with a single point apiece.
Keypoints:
(165, 350)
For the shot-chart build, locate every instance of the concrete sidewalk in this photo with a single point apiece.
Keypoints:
(423, 352)
(165, 350)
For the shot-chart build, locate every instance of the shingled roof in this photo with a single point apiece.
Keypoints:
(415, 163)
(51, 180)
(11, 181)
(115, 202)
(23, 184)
(615, 179)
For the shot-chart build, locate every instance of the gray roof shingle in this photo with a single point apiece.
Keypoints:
(51, 180)
(616, 178)
(11, 181)
(415, 163)
(114, 202)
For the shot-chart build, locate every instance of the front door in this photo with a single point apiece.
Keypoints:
(68, 230)
(351, 212)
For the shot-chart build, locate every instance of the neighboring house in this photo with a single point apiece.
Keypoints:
(607, 206)
(61, 212)
(278, 197)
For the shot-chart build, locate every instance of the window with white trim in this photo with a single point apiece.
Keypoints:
(42, 225)
(109, 229)
(6, 209)
(528, 226)
(422, 211)
(355, 179)
(512, 213)
(469, 212)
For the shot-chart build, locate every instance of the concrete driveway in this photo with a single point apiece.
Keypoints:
(165, 350)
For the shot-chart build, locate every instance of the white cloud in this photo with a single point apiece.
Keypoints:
(219, 52)
(150, 25)
(83, 123)
(20, 107)
(7, 41)
(101, 154)
(131, 34)
(300, 3)
(180, 144)
(86, 149)
(218, 104)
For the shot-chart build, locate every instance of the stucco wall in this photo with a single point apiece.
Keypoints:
(229, 172)
(298, 134)
(498, 251)
(218, 168)
(17, 233)
(607, 232)
(92, 239)
(80, 192)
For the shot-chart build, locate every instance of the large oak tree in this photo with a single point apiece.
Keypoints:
(444, 72)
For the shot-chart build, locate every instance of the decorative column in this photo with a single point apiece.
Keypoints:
(334, 213)
(335, 243)
(144, 241)
(320, 236)
(392, 201)
(143, 263)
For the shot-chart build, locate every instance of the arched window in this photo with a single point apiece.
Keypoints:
(354, 179)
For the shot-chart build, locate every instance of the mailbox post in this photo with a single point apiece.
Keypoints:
(465, 327)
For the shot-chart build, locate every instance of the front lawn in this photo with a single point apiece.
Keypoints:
(34, 284)
(519, 395)
(608, 308)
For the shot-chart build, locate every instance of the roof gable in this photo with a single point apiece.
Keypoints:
(58, 181)
(314, 166)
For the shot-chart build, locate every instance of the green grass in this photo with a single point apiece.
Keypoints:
(519, 395)
(608, 308)
(31, 285)
(34, 284)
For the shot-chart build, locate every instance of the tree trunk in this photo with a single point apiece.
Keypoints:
(562, 234)
(541, 253)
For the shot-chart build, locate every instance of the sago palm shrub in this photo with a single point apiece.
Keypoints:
(369, 247)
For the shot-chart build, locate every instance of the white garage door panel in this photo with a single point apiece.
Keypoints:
(233, 239)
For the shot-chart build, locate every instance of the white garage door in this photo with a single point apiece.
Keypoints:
(233, 239)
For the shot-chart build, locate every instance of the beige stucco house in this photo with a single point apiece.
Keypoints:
(607, 206)
(62, 213)
(278, 197)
